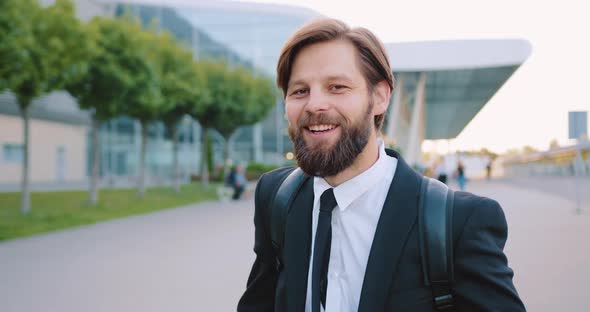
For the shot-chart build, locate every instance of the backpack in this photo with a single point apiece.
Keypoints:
(435, 214)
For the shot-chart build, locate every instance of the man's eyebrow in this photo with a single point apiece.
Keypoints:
(344, 78)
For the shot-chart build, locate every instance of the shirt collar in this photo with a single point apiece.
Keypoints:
(349, 191)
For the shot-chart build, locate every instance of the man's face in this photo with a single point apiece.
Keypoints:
(329, 108)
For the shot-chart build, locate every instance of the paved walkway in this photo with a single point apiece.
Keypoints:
(193, 258)
(197, 258)
(548, 246)
(566, 187)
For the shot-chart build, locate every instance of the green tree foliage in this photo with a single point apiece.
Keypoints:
(115, 73)
(236, 98)
(41, 50)
(183, 88)
(144, 100)
(16, 40)
(527, 149)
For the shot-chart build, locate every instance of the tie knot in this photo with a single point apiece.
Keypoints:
(328, 201)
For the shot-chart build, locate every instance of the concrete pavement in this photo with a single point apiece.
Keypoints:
(193, 258)
(197, 258)
(548, 245)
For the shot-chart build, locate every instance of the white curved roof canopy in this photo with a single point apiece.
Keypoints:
(461, 77)
(457, 54)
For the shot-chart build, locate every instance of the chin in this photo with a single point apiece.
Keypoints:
(323, 146)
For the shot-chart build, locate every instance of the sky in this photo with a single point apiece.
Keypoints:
(532, 107)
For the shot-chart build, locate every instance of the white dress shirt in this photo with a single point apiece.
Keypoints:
(360, 201)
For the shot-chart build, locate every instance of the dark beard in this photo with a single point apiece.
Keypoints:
(325, 161)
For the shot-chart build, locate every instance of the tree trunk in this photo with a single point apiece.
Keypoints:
(175, 147)
(204, 164)
(226, 156)
(25, 191)
(141, 182)
(94, 183)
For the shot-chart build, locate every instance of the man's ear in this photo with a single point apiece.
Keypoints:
(381, 95)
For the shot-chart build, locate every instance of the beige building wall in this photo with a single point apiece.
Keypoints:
(47, 163)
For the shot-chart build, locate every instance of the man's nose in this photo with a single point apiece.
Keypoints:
(318, 102)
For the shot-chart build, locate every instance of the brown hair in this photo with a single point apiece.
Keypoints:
(373, 59)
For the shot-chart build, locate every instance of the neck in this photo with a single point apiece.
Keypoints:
(363, 161)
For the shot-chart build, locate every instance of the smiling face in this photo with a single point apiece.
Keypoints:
(329, 108)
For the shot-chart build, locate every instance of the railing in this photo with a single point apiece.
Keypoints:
(565, 161)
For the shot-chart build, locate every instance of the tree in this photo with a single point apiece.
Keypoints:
(512, 152)
(237, 98)
(486, 152)
(215, 73)
(41, 49)
(252, 97)
(16, 40)
(144, 100)
(183, 87)
(112, 73)
(527, 149)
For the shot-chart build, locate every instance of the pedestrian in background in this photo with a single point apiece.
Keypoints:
(461, 180)
(237, 180)
(489, 170)
(440, 171)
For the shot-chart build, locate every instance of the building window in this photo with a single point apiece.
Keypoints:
(13, 153)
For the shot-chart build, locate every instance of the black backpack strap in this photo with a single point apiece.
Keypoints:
(435, 215)
(280, 209)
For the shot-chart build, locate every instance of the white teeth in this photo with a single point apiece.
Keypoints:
(321, 127)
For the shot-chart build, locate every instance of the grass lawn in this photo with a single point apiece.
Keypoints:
(58, 210)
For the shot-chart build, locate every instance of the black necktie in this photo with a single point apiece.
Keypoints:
(321, 250)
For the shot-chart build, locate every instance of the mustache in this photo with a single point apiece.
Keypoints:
(309, 119)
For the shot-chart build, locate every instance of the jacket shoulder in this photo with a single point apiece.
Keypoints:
(278, 174)
(471, 209)
(269, 183)
(482, 277)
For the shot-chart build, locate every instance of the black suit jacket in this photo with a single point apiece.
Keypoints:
(393, 279)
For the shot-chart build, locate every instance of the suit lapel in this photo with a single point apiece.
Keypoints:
(397, 218)
(297, 247)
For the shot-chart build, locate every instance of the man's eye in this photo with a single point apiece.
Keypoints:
(299, 92)
(338, 87)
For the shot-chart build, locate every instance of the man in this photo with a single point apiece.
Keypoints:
(237, 181)
(337, 84)
(440, 171)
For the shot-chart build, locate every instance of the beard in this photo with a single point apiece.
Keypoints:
(325, 160)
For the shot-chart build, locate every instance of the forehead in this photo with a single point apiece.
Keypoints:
(326, 60)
